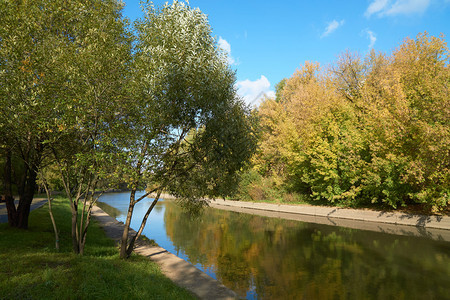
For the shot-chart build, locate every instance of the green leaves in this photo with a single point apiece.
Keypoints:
(190, 133)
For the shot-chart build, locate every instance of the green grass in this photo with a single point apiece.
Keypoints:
(31, 268)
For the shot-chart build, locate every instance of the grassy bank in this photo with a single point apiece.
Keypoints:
(31, 268)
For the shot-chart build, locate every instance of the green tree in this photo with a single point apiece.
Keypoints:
(188, 132)
(63, 68)
(30, 56)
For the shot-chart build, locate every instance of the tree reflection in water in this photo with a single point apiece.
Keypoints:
(281, 259)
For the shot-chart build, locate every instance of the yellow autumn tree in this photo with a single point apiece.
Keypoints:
(407, 123)
(361, 131)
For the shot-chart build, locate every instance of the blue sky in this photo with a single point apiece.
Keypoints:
(268, 40)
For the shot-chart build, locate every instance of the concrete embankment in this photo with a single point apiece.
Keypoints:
(178, 270)
(434, 227)
(398, 218)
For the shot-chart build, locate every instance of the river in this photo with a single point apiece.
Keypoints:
(270, 258)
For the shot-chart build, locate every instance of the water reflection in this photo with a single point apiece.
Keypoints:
(279, 259)
(269, 258)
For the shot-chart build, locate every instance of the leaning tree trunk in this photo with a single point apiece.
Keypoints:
(141, 228)
(124, 241)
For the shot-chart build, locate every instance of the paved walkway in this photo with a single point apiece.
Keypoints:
(435, 227)
(178, 270)
(37, 202)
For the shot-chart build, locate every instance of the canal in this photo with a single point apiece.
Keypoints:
(270, 258)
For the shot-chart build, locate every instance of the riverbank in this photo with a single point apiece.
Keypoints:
(178, 270)
(398, 218)
(31, 268)
(274, 258)
(400, 223)
(433, 227)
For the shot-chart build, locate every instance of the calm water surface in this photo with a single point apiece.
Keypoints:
(270, 258)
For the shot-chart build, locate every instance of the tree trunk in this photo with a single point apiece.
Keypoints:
(50, 212)
(75, 245)
(12, 212)
(55, 229)
(81, 225)
(126, 230)
(10, 206)
(83, 234)
(141, 228)
(23, 210)
(18, 217)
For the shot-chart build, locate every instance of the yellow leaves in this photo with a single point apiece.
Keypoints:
(26, 65)
(26, 61)
(376, 127)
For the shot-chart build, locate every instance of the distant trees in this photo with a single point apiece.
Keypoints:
(372, 130)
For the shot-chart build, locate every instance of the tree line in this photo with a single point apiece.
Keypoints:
(361, 131)
(89, 101)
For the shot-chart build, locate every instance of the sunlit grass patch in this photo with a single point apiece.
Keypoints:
(31, 268)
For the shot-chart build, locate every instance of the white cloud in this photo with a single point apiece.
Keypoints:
(254, 91)
(225, 46)
(332, 26)
(375, 7)
(372, 37)
(397, 7)
(407, 7)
